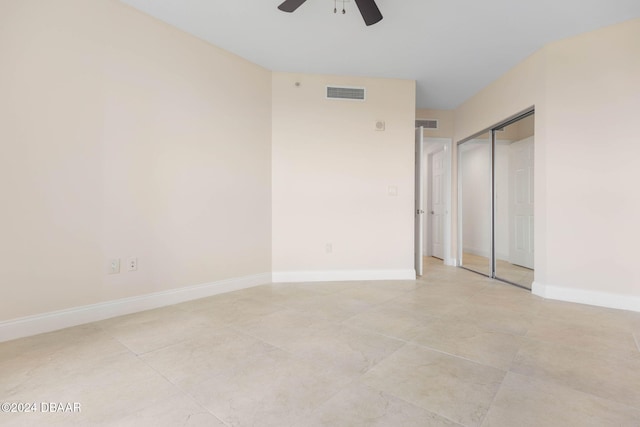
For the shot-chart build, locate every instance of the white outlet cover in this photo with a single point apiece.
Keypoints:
(392, 190)
(113, 266)
(132, 264)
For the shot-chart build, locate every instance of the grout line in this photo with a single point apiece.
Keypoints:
(484, 418)
(389, 393)
(505, 371)
(180, 389)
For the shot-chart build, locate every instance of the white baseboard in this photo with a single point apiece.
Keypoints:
(583, 296)
(51, 321)
(342, 275)
(477, 252)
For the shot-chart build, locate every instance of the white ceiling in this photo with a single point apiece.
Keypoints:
(452, 48)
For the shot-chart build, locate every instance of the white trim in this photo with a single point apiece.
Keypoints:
(583, 296)
(450, 261)
(477, 252)
(46, 322)
(342, 275)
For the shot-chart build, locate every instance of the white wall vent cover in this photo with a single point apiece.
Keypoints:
(427, 123)
(341, 92)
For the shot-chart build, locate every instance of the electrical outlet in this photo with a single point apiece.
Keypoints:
(113, 266)
(328, 248)
(132, 264)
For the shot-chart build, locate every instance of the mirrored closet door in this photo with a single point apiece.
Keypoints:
(496, 174)
(475, 203)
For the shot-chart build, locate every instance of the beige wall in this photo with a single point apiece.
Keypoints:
(122, 136)
(445, 122)
(332, 171)
(592, 107)
(586, 91)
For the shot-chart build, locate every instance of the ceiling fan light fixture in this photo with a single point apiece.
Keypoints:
(368, 9)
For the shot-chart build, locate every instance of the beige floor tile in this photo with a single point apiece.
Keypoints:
(465, 339)
(592, 338)
(275, 389)
(340, 353)
(349, 350)
(154, 329)
(281, 293)
(223, 312)
(26, 366)
(396, 285)
(323, 288)
(498, 319)
(283, 327)
(36, 419)
(432, 305)
(191, 361)
(609, 377)
(634, 321)
(363, 406)
(451, 287)
(106, 388)
(454, 388)
(499, 295)
(525, 401)
(375, 293)
(390, 321)
(333, 307)
(581, 314)
(48, 343)
(241, 304)
(180, 410)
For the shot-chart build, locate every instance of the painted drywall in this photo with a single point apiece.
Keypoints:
(333, 173)
(475, 178)
(585, 179)
(444, 118)
(124, 137)
(592, 105)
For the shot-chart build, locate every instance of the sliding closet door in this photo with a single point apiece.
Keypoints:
(475, 204)
(513, 200)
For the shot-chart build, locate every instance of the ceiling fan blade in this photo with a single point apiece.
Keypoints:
(369, 11)
(290, 5)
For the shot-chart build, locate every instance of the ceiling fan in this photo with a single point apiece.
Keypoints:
(368, 9)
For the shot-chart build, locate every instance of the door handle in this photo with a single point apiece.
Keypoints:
(432, 212)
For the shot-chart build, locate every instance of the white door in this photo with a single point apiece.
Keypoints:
(437, 208)
(419, 212)
(521, 203)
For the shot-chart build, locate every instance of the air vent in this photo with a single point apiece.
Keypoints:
(341, 92)
(427, 123)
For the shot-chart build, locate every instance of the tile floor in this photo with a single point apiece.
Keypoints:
(451, 349)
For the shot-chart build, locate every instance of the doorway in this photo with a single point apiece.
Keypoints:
(433, 200)
(496, 182)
